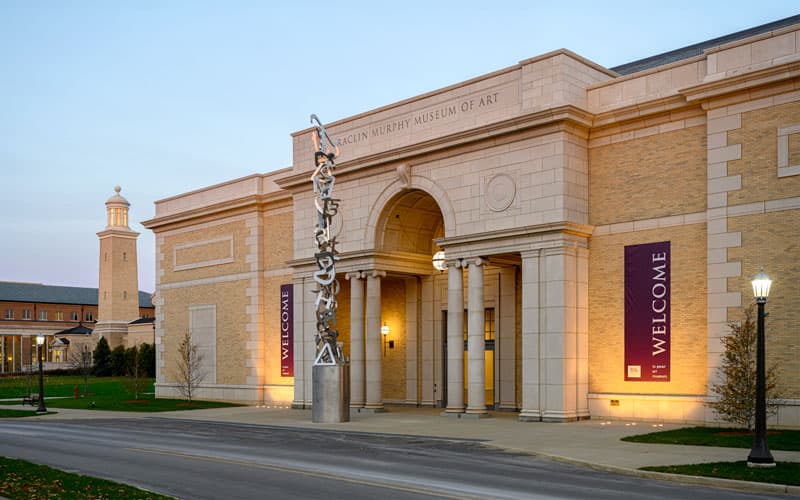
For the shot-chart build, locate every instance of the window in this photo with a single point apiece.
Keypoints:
(26, 314)
(125, 256)
(89, 316)
(75, 316)
(124, 295)
(9, 314)
(42, 315)
(58, 316)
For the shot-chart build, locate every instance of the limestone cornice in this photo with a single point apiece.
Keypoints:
(118, 233)
(515, 240)
(558, 119)
(367, 260)
(664, 105)
(789, 70)
(218, 210)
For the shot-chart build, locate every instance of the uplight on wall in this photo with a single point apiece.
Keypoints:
(385, 334)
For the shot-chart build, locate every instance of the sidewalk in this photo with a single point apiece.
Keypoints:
(594, 443)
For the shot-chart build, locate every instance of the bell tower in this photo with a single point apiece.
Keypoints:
(118, 291)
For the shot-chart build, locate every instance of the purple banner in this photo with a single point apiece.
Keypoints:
(287, 332)
(647, 312)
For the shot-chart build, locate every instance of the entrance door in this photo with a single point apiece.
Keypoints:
(489, 336)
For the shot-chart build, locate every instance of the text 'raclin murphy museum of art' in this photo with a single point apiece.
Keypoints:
(556, 238)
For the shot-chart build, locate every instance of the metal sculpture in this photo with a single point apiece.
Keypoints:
(325, 152)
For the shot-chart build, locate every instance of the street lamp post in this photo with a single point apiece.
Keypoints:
(760, 455)
(40, 344)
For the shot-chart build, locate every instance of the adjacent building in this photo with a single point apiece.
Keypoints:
(595, 231)
(73, 317)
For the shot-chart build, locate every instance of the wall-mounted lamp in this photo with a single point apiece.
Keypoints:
(385, 333)
(439, 261)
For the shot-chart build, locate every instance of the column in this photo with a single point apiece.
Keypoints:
(476, 355)
(356, 339)
(531, 318)
(455, 338)
(412, 339)
(373, 342)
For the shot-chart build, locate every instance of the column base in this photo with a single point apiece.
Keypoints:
(369, 410)
(299, 405)
(475, 414)
(356, 406)
(452, 412)
(530, 416)
(331, 394)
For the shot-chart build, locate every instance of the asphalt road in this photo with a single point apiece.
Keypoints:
(209, 460)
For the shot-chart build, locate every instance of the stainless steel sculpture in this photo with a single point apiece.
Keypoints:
(325, 152)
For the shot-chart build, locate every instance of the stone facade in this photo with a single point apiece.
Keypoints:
(533, 180)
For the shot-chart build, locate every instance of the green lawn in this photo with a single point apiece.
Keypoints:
(23, 480)
(17, 413)
(784, 473)
(788, 440)
(105, 393)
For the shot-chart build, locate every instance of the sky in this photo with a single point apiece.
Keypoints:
(162, 98)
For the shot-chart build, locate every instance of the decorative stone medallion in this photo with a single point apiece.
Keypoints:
(500, 192)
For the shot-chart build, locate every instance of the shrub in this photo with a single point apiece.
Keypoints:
(102, 358)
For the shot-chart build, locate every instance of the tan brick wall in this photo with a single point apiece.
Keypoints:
(278, 236)
(688, 311)
(759, 164)
(206, 252)
(232, 336)
(655, 176)
(771, 240)
(393, 312)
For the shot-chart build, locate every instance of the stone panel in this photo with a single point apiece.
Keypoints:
(655, 176)
(607, 311)
(758, 165)
(236, 229)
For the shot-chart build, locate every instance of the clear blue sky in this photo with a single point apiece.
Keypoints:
(165, 97)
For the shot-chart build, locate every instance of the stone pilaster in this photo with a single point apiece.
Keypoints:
(356, 339)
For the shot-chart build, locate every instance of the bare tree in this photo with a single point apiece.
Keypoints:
(737, 388)
(190, 371)
(135, 375)
(82, 360)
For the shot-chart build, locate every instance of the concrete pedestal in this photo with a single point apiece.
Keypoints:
(331, 394)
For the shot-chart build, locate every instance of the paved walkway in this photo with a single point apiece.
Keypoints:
(595, 443)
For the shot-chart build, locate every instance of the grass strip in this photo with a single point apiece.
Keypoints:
(778, 439)
(24, 480)
(786, 473)
(105, 393)
(17, 413)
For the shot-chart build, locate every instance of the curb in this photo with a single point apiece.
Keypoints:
(715, 482)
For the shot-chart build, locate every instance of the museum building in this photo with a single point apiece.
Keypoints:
(556, 238)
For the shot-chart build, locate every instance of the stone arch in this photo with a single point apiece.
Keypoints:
(417, 182)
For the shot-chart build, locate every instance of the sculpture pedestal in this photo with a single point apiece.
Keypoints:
(331, 393)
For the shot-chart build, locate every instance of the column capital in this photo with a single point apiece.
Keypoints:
(453, 263)
(357, 275)
(477, 261)
(376, 274)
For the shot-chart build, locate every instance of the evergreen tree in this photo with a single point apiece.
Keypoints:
(119, 361)
(736, 391)
(102, 358)
(147, 360)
